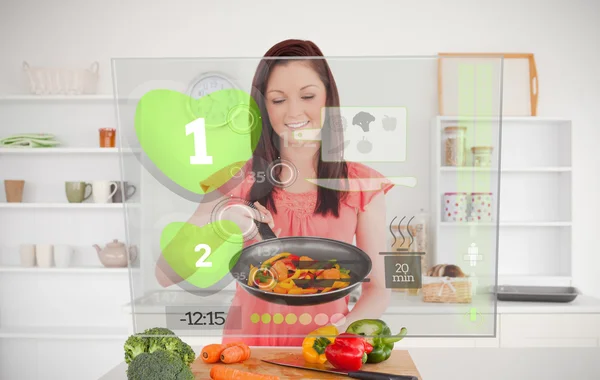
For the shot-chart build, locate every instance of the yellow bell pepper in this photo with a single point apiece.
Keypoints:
(251, 275)
(298, 273)
(313, 346)
(274, 258)
(339, 284)
(287, 284)
(295, 290)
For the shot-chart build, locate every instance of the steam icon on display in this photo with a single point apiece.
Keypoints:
(363, 119)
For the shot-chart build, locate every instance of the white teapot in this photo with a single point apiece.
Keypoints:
(115, 254)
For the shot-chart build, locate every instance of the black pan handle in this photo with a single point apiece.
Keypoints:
(367, 375)
(265, 231)
(263, 228)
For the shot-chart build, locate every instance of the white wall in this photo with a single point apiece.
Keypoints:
(564, 35)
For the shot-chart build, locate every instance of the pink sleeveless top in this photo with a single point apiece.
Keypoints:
(267, 324)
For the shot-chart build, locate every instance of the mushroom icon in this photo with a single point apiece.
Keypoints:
(363, 119)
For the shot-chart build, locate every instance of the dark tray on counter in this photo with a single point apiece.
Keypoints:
(536, 293)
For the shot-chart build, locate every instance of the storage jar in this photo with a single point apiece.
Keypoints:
(481, 207)
(455, 146)
(455, 207)
(482, 156)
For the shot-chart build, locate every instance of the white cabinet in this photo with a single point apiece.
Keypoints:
(463, 338)
(550, 330)
(531, 184)
(69, 320)
(566, 330)
(55, 358)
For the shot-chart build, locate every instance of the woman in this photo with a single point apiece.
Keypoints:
(291, 94)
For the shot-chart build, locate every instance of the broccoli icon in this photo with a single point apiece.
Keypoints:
(363, 119)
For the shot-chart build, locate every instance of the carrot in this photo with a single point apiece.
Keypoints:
(212, 352)
(222, 372)
(235, 354)
(281, 270)
(331, 274)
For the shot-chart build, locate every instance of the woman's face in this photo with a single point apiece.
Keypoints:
(294, 96)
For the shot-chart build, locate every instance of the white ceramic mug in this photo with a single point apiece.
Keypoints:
(44, 254)
(62, 256)
(102, 191)
(27, 252)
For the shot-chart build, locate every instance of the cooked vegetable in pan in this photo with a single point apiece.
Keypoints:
(286, 273)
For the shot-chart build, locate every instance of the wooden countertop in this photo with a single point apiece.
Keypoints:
(400, 363)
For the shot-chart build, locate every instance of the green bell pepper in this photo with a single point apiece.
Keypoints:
(379, 335)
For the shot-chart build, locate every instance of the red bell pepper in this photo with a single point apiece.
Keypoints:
(306, 276)
(348, 352)
(289, 263)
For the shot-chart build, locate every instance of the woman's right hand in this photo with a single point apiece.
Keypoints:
(245, 216)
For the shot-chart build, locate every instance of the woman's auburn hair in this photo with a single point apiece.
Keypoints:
(267, 141)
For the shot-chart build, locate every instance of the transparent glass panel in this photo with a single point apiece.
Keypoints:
(203, 139)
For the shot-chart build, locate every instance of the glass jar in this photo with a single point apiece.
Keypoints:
(455, 146)
(107, 137)
(482, 156)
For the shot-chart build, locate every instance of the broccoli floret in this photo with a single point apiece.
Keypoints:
(155, 340)
(135, 345)
(158, 331)
(163, 343)
(186, 375)
(186, 353)
(159, 365)
(173, 344)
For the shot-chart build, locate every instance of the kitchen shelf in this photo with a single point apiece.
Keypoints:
(58, 150)
(510, 119)
(67, 151)
(69, 270)
(74, 309)
(532, 170)
(541, 169)
(64, 205)
(43, 98)
(65, 332)
(507, 224)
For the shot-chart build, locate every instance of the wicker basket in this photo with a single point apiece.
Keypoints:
(54, 81)
(446, 289)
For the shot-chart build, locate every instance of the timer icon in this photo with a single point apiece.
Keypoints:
(211, 318)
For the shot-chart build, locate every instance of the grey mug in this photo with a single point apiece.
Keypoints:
(123, 188)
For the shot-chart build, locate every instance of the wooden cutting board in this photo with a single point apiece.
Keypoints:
(400, 363)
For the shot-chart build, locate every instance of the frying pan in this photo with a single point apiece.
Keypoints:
(319, 249)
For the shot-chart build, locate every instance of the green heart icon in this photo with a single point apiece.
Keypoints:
(192, 141)
(201, 255)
